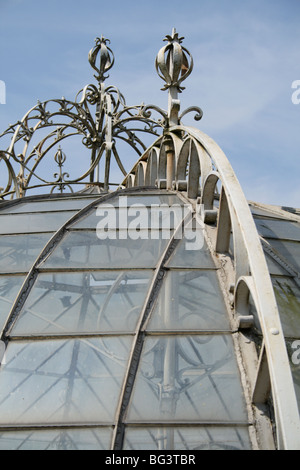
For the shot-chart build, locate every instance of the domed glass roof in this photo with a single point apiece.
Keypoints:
(159, 315)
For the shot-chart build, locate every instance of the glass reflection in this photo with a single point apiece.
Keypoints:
(48, 205)
(85, 249)
(33, 223)
(62, 381)
(288, 300)
(192, 251)
(84, 302)
(57, 439)
(136, 216)
(19, 252)
(9, 289)
(293, 348)
(188, 378)
(289, 250)
(187, 438)
(190, 300)
(282, 229)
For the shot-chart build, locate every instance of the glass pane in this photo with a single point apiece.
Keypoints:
(288, 300)
(9, 289)
(293, 348)
(187, 438)
(145, 199)
(289, 250)
(85, 249)
(63, 381)
(274, 212)
(278, 229)
(47, 205)
(31, 223)
(274, 267)
(57, 439)
(190, 300)
(84, 302)
(192, 251)
(19, 252)
(258, 211)
(132, 218)
(188, 378)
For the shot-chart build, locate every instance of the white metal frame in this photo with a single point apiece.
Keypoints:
(206, 164)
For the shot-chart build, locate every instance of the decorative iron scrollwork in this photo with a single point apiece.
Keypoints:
(100, 116)
(60, 158)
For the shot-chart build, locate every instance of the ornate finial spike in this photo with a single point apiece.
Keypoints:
(174, 62)
(106, 58)
(60, 157)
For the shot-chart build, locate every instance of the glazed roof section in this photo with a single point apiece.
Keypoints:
(80, 320)
(117, 259)
(86, 299)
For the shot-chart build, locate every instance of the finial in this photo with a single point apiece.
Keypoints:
(174, 63)
(106, 58)
(60, 157)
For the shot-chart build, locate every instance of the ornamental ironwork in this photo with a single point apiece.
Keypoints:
(100, 116)
(187, 163)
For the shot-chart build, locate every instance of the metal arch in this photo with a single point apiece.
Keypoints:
(151, 169)
(12, 179)
(280, 372)
(233, 215)
(250, 262)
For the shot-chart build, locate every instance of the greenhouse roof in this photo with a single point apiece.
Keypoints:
(160, 312)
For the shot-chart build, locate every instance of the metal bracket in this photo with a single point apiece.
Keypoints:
(262, 387)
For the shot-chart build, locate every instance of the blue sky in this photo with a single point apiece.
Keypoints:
(246, 55)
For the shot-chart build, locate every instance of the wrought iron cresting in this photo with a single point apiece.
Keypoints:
(100, 115)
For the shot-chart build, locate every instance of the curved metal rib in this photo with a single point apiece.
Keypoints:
(249, 260)
(278, 361)
(139, 336)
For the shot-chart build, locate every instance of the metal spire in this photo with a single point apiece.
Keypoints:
(174, 64)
